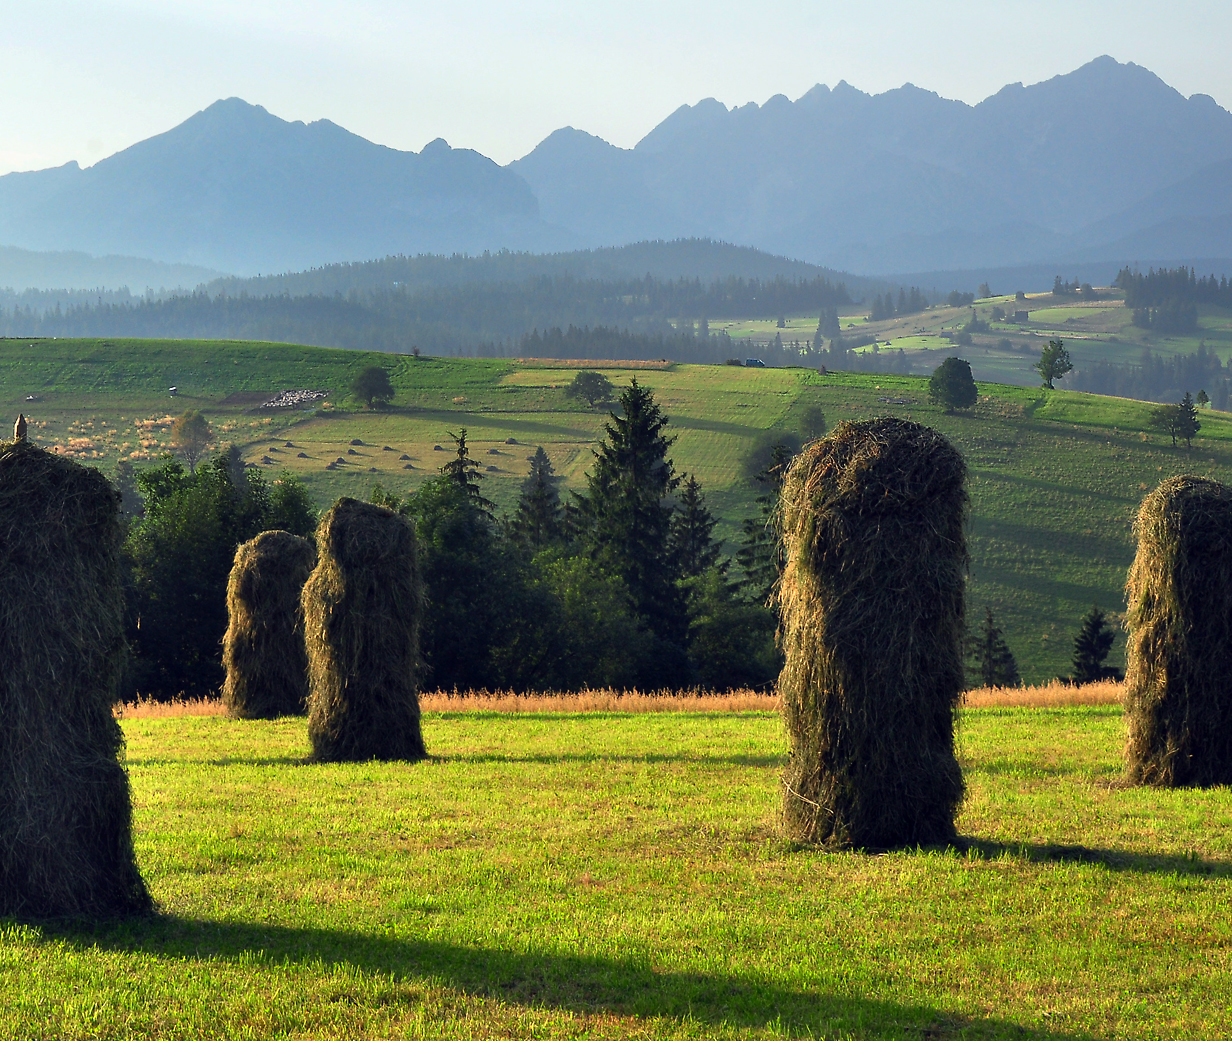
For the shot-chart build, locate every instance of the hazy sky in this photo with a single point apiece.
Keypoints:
(82, 79)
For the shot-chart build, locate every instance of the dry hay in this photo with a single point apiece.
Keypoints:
(362, 609)
(147, 708)
(263, 650)
(1178, 695)
(872, 626)
(582, 701)
(1057, 694)
(66, 847)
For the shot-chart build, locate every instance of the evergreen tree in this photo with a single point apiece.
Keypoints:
(1091, 647)
(624, 516)
(761, 555)
(692, 532)
(538, 521)
(463, 472)
(994, 662)
(952, 385)
(1188, 424)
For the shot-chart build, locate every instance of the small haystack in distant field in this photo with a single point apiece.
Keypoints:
(263, 650)
(66, 847)
(362, 609)
(1178, 686)
(872, 626)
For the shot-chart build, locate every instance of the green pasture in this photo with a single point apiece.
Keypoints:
(621, 876)
(1055, 477)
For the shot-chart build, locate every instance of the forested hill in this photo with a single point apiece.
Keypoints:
(692, 259)
(466, 317)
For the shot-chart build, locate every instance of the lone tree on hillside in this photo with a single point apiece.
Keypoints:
(1054, 362)
(1091, 646)
(1189, 424)
(372, 387)
(1178, 421)
(952, 385)
(593, 386)
(812, 423)
(191, 434)
(994, 661)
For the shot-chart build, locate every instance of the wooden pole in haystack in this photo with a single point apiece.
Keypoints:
(871, 601)
(362, 609)
(66, 847)
(263, 650)
(1178, 685)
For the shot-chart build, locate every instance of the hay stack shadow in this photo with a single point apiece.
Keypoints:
(362, 610)
(872, 626)
(1178, 691)
(66, 847)
(263, 650)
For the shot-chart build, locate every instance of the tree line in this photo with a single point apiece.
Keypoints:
(1159, 377)
(484, 317)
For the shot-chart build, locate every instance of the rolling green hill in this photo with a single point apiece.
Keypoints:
(1055, 476)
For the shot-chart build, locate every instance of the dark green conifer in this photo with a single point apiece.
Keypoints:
(538, 521)
(1091, 648)
(692, 540)
(994, 661)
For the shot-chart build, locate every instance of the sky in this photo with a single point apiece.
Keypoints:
(82, 79)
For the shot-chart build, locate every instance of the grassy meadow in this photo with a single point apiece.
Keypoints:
(1055, 477)
(1096, 329)
(596, 875)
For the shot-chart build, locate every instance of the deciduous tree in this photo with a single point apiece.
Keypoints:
(1054, 362)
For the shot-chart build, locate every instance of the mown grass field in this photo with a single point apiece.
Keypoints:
(1055, 477)
(621, 875)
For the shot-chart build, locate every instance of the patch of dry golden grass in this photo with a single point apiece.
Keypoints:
(600, 701)
(594, 363)
(1049, 695)
(165, 709)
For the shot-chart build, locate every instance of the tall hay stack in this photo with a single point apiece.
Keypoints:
(263, 650)
(872, 626)
(362, 609)
(66, 848)
(1178, 686)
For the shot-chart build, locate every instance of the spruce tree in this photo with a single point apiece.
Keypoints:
(692, 540)
(463, 472)
(1091, 647)
(1188, 424)
(624, 516)
(994, 661)
(761, 555)
(538, 521)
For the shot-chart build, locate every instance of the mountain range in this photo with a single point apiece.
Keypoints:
(1105, 164)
